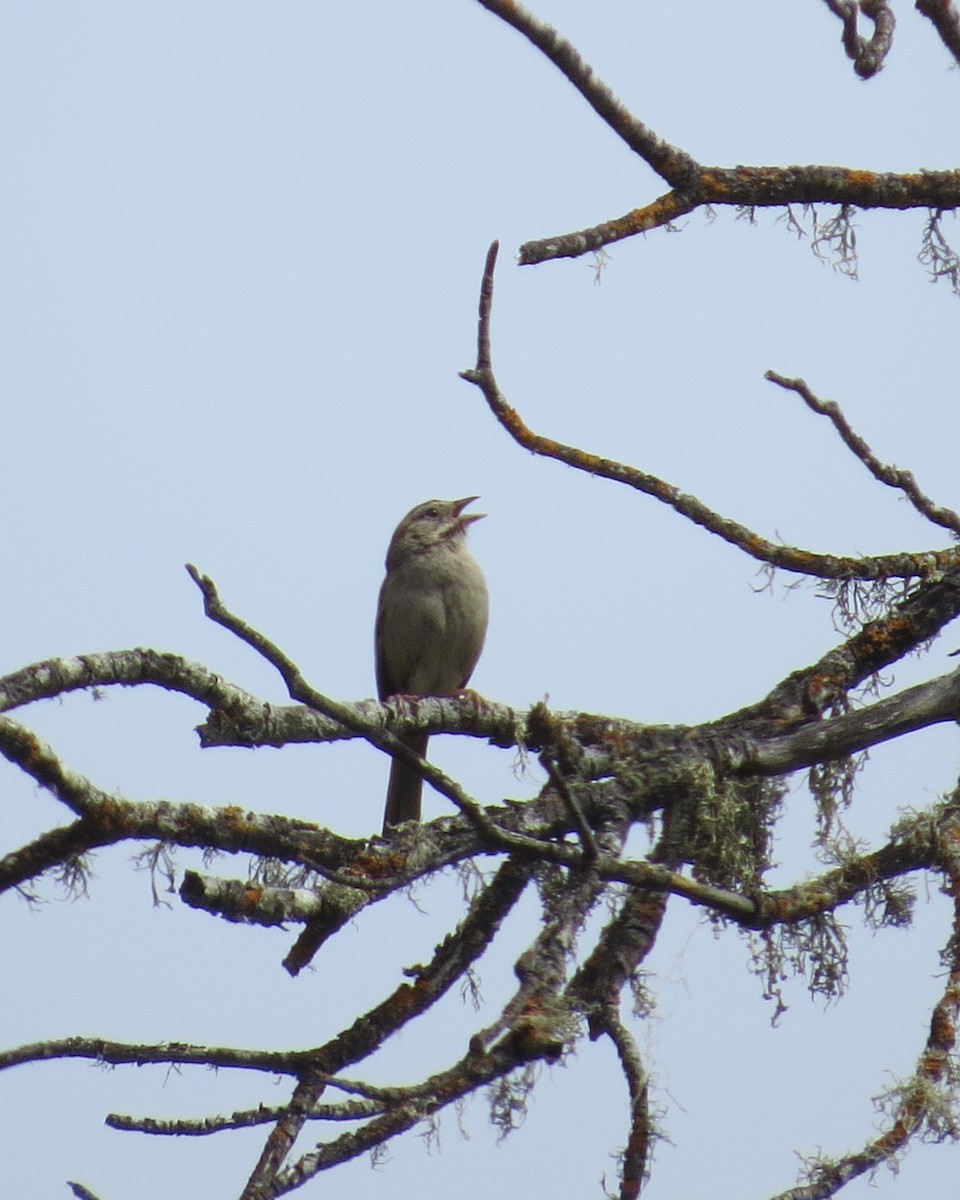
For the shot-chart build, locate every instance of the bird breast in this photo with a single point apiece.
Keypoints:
(432, 620)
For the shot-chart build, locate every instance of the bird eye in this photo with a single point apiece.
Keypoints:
(433, 512)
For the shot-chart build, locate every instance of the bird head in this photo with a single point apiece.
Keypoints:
(431, 524)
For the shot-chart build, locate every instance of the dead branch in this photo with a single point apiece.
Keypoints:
(892, 476)
(694, 185)
(867, 54)
(945, 19)
(803, 562)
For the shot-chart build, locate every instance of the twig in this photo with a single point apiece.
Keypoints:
(671, 164)
(658, 214)
(924, 1101)
(788, 558)
(591, 852)
(946, 20)
(103, 1050)
(867, 54)
(892, 476)
(52, 849)
(81, 1192)
(348, 1110)
(484, 359)
(636, 1156)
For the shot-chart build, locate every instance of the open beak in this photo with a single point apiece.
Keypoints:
(467, 518)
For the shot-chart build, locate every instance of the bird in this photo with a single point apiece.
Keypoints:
(431, 625)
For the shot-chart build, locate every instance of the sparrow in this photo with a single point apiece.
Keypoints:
(431, 624)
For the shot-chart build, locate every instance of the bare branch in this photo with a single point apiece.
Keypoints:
(22, 747)
(746, 187)
(803, 562)
(818, 741)
(670, 163)
(348, 1110)
(925, 1101)
(694, 185)
(58, 676)
(103, 1050)
(50, 850)
(915, 846)
(636, 1156)
(903, 628)
(450, 960)
(945, 19)
(468, 1075)
(658, 214)
(81, 1192)
(868, 54)
(249, 904)
(707, 796)
(891, 476)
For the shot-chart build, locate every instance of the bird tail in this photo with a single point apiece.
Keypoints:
(405, 787)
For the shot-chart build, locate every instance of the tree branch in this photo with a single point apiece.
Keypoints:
(694, 185)
(788, 558)
(868, 54)
(369, 1031)
(945, 19)
(671, 164)
(820, 741)
(103, 1050)
(636, 1156)
(58, 676)
(758, 187)
(926, 1101)
(51, 850)
(891, 476)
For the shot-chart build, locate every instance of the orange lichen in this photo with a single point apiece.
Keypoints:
(860, 178)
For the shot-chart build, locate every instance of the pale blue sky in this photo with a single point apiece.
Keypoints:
(241, 249)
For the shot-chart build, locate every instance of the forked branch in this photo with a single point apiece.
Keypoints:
(788, 558)
(694, 185)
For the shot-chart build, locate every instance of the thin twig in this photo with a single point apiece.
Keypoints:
(81, 1192)
(591, 852)
(485, 308)
(349, 1110)
(893, 477)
